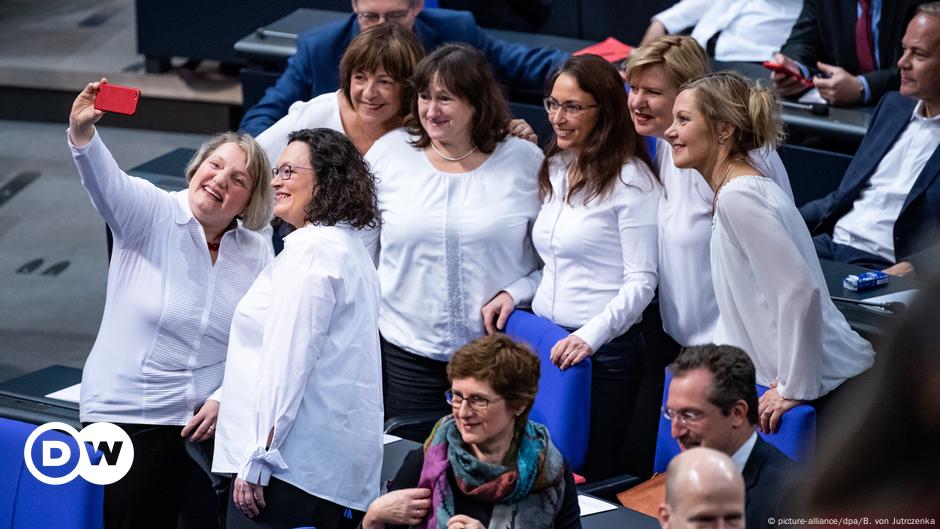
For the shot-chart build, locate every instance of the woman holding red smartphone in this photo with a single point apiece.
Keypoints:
(181, 262)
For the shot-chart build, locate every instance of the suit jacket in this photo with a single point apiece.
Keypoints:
(825, 32)
(314, 68)
(919, 221)
(768, 475)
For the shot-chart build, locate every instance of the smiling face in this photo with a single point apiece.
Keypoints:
(693, 142)
(447, 118)
(576, 116)
(375, 96)
(920, 63)
(652, 94)
(292, 196)
(711, 428)
(492, 427)
(220, 188)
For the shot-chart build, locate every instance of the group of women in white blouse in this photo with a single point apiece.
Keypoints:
(473, 223)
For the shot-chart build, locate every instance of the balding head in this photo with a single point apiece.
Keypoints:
(703, 487)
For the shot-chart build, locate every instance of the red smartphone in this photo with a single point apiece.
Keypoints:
(117, 98)
(777, 67)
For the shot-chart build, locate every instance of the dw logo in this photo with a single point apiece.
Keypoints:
(102, 453)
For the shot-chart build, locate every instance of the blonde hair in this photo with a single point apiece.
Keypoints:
(681, 57)
(260, 206)
(752, 109)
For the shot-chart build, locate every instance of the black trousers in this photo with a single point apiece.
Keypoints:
(413, 384)
(288, 507)
(159, 484)
(617, 369)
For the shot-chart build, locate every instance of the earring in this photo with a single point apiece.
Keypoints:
(721, 140)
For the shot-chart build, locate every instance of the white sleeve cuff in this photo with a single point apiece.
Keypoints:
(261, 464)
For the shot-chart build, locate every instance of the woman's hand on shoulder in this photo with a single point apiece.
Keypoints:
(84, 115)
(498, 308)
(462, 521)
(202, 424)
(570, 351)
(521, 129)
(399, 507)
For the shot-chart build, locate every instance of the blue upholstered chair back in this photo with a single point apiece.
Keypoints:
(27, 503)
(796, 436)
(563, 403)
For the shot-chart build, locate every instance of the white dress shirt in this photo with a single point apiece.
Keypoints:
(600, 258)
(772, 295)
(743, 453)
(449, 242)
(686, 296)
(319, 112)
(751, 30)
(304, 361)
(869, 225)
(160, 351)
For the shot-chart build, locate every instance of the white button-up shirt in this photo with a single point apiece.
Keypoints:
(600, 258)
(449, 242)
(869, 225)
(304, 362)
(160, 351)
(751, 30)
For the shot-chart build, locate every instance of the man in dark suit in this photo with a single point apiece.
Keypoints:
(826, 36)
(886, 211)
(713, 403)
(314, 68)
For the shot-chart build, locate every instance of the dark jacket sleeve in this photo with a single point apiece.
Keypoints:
(569, 517)
(295, 84)
(519, 65)
(407, 476)
(804, 41)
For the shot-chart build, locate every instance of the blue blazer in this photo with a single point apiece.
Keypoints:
(314, 69)
(919, 221)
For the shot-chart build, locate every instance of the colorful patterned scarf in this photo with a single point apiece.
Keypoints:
(530, 488)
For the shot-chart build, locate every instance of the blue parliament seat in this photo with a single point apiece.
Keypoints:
(563, 403)
(813, 173)
(27, 503)
(796, 436)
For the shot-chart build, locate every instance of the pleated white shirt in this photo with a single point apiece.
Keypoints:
(686, 296)
(449, 242)
(772, 295)
(600, 257)
(304, 360)
(319, 112)
(161, 348)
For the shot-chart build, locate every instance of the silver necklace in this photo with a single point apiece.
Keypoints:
(454, 158)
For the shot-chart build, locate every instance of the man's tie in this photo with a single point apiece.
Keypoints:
(864, 41)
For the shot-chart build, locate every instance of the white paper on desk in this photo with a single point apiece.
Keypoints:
(812, 96)
(70, 394)
(904, 296)
(591, 505)
(388, 439)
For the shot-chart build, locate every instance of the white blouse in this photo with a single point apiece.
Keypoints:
(304, 361)
(772, 294)
(449, 242)
(319, 112)
(600, 258)
(160, 351)
(686, 296)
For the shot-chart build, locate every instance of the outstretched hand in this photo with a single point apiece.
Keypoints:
(84, 115)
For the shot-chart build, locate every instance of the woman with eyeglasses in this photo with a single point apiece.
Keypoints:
(181, 262)
(596, 234)
(485, 464)
(301, 421)
(458, 196)
(772, 297)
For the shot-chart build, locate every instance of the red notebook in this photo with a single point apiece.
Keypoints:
(611, 49)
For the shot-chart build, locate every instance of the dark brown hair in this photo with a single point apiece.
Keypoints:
(388, 46)
(510, 367)
(344, 189)
(464, 72)
(733, 377)
(611, 143)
